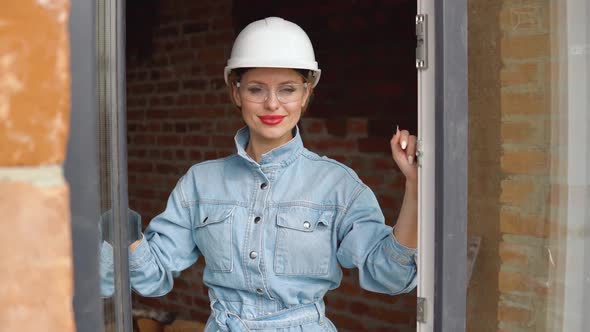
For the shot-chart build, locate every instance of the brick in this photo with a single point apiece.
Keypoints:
(334, 144)
(167, 87)
(194, 27)
(520, 283)
(516, 192)
(514, 314)
(34, 115)
(139, 166)
(513, 254)
(195, 140)
(520, 132)
(349, 288)
(385, 163)
(198, 84)
(36, 290)
(212, 55)
(513, 222)
(525, 162)
(185, 57)
(372, 180)
(518, 74)
(374, 144)
(357, 127)
(525, 47)
(349, 321)
(523, 103)
(513, 282)
(168, 140)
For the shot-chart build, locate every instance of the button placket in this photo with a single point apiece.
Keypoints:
(254, 255)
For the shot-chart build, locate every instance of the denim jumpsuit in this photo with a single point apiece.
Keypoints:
(274, 236)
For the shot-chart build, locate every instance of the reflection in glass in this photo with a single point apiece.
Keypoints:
(106, 225)
(529, 165)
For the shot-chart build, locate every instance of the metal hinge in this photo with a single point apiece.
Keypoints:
(421, 41)
(421, 310)
(419, 153)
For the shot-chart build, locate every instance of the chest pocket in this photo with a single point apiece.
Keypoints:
(304, 241)
(213, 236)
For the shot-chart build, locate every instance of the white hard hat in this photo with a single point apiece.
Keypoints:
(273, 42)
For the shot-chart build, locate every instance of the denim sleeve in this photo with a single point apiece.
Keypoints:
(166, 248)
(366, 242)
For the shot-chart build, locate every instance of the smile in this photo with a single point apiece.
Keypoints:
(271, 120)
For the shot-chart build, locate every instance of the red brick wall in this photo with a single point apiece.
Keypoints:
(179, 114)
(37, 272)
(514, 194)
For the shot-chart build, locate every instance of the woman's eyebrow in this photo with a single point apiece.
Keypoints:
(289, 82)
(262, 83)
(255, 82)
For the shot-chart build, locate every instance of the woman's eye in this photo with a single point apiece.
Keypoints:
(287, 90)
(254, 90)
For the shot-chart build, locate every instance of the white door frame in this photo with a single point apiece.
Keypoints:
(442, 128)
(426, 120)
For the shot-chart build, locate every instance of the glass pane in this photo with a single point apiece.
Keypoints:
(113, 269)
(529, 165)
(105, 144)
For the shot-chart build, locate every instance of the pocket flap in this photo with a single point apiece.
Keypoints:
(213, 214)
(303, 218)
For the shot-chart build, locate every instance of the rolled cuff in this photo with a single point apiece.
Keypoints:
(140, 255)
(400, 253)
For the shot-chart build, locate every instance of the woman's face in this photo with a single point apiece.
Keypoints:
(271, 120)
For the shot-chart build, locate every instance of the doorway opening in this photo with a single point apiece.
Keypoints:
(179, 114)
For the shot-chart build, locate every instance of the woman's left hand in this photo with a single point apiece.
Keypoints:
(403, 150)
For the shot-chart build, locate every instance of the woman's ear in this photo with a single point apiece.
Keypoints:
(236, 95)
(307, 96)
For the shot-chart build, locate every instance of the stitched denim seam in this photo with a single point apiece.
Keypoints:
(355, 194)
(229, 219)
(196, 202)
(311, 156)
(307, 204)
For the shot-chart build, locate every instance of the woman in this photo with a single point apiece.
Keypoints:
(276, 222)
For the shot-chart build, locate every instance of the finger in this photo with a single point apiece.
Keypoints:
(395, 145)
(411, 149)
(404, 139)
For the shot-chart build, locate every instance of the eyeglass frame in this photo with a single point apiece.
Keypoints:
(266, 98)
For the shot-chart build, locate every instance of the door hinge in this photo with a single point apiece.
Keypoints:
(421, 310)
(421, 41)
(419, 153)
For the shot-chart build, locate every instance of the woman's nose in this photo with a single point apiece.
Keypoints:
(272, 101)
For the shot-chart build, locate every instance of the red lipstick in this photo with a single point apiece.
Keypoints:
(271, 120)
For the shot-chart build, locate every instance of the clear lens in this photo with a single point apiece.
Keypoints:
(285, 93)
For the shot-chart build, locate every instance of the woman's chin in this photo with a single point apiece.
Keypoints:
(274, 133)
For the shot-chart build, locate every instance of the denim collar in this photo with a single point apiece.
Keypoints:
(280, 156)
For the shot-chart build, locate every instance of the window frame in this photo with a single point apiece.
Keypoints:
(81, 167)
(451, 165)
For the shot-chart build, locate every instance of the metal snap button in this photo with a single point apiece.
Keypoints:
(256, 220)
(264, 185)
(306, 225)
(259, 290)
(253, 254)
